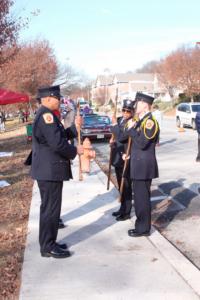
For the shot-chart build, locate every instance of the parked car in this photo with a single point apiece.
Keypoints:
(186, 113)
(96, 127)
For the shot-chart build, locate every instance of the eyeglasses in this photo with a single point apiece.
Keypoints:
(126, 110)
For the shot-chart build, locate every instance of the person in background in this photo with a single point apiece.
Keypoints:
(26, 115)
(86, 109)
(1, 127)
(2, 121)
(21, 116)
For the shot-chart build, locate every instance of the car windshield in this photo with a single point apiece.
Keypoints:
(96, 120)
(195, 108)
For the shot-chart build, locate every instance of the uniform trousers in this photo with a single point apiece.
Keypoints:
(50, 208)
(198, 154)
(142, 195)
(126, 204)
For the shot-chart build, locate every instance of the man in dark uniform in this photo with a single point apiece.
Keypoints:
(119, 145)
(197, 121)
(51, 154)
(70, 134)
(143, 165)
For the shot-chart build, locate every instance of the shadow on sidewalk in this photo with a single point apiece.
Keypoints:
(167, 142)
(95, 203)
(105, 221)
(164, 212)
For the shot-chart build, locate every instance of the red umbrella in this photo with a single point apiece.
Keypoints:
(9, 97)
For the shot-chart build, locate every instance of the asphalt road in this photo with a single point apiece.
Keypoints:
(176, 211)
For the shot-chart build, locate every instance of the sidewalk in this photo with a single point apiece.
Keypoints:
(106, 263)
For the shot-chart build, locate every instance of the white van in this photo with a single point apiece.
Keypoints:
(186, 113)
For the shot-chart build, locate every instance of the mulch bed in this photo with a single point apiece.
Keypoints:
(14, 211)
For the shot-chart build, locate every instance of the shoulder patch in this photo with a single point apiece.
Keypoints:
(149, 124)
(48, 118)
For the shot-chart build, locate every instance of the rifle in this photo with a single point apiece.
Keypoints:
(112, 138)
(79, 143)
(124, 169)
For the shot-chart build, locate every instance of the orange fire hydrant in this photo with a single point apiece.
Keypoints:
(88, 154)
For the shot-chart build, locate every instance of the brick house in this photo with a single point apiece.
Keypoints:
(104, 87)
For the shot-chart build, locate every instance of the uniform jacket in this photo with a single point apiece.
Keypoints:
(143, 158)
(197, 120)
(120, 144)
(51, 151)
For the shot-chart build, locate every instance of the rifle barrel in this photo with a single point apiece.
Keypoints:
(124, 169)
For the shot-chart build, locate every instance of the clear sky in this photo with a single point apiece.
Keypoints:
(92, 35)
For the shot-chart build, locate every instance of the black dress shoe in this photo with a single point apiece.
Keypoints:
(62, 246)
(57, 252)
(134, 233)
(123, 218)
(116, 213)
(61, 225)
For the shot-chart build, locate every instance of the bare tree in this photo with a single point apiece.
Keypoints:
(74, 83)
(34, 65)
(9, 30)
(181, 69)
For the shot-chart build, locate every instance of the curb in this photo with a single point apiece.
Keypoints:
(178, 261)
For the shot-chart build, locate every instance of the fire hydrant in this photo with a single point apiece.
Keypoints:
(88, 154)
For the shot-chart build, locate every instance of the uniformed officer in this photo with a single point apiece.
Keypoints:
(143, 165)
(70, 134)
(197, 120)
(119, 145)
(51, 154)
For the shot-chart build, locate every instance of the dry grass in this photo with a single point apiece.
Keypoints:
(14, 210)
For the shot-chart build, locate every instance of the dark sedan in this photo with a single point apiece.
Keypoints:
(96, 127)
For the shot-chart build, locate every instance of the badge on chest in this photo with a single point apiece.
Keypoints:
(48, 118)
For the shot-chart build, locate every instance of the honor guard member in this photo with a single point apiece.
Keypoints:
(143, 165)
(70, 134)
(51, 154)
(119, 145)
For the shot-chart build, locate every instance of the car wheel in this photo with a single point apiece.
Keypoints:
(194, 124)
(178, 122)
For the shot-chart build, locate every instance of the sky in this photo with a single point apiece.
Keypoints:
(94, 35)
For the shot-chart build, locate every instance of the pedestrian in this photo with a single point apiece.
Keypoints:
(143, 164)
(86, 109)
(68, 114)
(197, 121)
(2, 121)
(51, 154)
(26, 115)
(118, 147)
(69, 122)
(21, 116)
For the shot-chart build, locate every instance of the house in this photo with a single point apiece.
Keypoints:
(126, 85)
